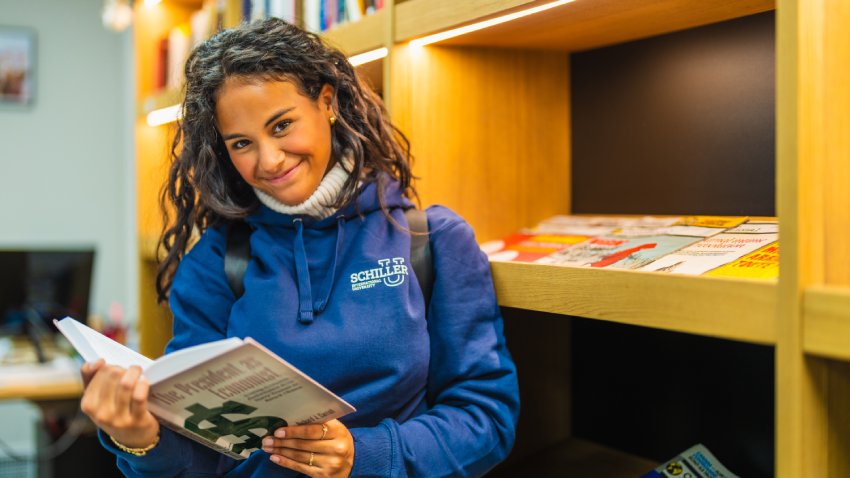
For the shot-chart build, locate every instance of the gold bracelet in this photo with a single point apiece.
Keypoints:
(135, 451)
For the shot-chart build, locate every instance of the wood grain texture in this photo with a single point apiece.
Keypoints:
(826, 331)
(155, 327)
(834, 138)
(490, 132)
(742, 310)
(576, 26)
(416, 18)
(361, 36)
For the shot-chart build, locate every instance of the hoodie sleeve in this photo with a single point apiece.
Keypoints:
(200, 301)
(473, 396)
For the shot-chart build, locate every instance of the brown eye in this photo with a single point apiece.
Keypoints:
(281, 126)
(239, 144)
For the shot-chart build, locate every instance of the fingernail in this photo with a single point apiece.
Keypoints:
(275, 459)
(280, 433)
(268, 441)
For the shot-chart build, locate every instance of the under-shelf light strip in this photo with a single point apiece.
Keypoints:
(485, 24)
(373, 55)
(164, 115)
(172, 113)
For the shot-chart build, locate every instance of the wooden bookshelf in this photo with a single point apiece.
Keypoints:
(742, 310)
(367, 34)
(488, 115)
(826, 322)
(575, 26)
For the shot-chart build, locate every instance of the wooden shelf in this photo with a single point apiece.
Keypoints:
(736, 309)
(578, 458)
(575, 26)
(364, 35)
(41, 391)
(826, 322)
(160, 99)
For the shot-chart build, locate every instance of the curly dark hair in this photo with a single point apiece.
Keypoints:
(203, 187)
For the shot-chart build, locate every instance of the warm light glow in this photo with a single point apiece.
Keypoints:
(150, 3)
(164, 115)
(484, 24)
(373, 55)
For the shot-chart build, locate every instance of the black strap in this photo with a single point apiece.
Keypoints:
(420, 251)
(238, 253)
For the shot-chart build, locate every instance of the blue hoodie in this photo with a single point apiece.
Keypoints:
(434, 397)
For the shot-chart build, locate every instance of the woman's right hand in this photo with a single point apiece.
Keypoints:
(116, 400)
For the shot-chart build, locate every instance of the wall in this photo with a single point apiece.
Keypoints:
(65, 176)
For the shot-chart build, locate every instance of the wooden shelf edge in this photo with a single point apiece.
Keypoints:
(826, 322)
(361, 36)
(579, 458)
(417, 18)
(36, 392)
(737, 309)
(575, 26)
(160, 99)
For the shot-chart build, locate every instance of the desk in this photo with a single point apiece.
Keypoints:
(21, 376)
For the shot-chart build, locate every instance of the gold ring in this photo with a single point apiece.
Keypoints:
(312, 455)
(324, 431)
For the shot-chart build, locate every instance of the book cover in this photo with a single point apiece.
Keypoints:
(762, 263)
(717, 250)
(226, 395)
(695, 462)
(619, 252)
(528, 247)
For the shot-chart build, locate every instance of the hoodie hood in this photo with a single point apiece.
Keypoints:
(318, 244)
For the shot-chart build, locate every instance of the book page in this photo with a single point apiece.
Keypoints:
(93, 345)
(184, 359)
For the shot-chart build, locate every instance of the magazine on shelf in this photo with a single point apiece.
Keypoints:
(528, 247)
(695, 462)
(762, 263)
(718, 250)
(226, 394)
(618, 252)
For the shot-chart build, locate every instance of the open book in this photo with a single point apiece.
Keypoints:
(226, 394)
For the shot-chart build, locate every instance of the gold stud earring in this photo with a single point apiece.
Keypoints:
(332, 120)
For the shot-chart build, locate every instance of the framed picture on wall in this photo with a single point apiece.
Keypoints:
(17, 65)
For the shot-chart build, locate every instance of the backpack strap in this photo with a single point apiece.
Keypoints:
(238, 253)
(420, 251)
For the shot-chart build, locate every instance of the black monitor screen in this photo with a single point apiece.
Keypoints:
(43, 285)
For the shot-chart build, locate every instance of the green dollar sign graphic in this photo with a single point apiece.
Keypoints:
(222, 426)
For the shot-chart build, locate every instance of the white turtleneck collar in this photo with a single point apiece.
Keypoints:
(320, 204)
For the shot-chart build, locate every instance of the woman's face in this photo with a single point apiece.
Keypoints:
(278, 139)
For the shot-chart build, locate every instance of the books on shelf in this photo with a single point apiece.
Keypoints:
(695, 462)
(711, 245)
(226, 394)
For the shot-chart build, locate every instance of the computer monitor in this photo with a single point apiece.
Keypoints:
(41, 285)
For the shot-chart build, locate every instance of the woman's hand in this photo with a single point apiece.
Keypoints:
(316, 450)
(116, 400)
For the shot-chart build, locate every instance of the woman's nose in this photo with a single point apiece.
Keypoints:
(271, 158)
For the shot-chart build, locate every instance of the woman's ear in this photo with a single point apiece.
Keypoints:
(326, 98)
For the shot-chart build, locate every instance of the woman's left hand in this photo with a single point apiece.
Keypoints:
(316, 450)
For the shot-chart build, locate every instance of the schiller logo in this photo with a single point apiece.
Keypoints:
(390, 272)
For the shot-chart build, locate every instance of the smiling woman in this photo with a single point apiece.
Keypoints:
(279, 132)
(278, 139)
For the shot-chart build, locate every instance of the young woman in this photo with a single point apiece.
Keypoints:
(278, 131)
